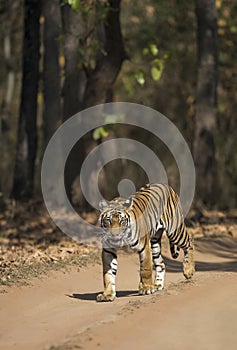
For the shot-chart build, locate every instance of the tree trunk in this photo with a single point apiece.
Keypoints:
(23, 183)
(10, 11)
(74, 76)
(100, 81)
(7, 102)
(99, 87)
(74, 83)
(206, 100)
(51, 72)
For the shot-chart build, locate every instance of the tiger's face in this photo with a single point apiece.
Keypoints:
(116, 223)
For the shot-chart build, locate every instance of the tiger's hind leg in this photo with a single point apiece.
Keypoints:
(188, 262)
(182, 239)
(158, 261)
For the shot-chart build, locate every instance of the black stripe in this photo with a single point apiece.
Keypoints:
(136, 206)
(134, 244)
(148, 207)
(160, 265)
(140, 251)
(109, 252)
(183, 244)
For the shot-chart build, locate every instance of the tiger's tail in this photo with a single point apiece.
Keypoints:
(174, 252)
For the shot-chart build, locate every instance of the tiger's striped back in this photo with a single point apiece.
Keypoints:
(156, 207)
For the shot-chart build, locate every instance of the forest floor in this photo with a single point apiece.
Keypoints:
(49, 285)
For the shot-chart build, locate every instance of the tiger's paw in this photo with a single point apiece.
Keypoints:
(146, 289)
(102, 297)
(188, 270)
(159, 286)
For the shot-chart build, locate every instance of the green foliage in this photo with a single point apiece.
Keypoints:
(94, 16)
(114, 118)
(151, 49)
(103, 131)
(99, 133)
(75, 4)
(157, 68)
(149, 57)
(157, 64)
(156, 73)
(139, 76)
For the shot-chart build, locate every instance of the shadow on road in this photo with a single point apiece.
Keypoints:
(228, 266)
(92, 296)
(211, 248)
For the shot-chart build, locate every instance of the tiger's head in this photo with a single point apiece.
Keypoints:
(115, 220)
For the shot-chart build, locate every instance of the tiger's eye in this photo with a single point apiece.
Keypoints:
(107, 220)
(122, 220)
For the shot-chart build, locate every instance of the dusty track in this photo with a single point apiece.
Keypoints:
(61, 308)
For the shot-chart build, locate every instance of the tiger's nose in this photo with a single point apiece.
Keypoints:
(116, 231)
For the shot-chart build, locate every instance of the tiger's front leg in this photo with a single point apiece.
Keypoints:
(109, 260)
(146, 284)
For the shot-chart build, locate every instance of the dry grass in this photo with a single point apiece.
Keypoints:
(31, 245)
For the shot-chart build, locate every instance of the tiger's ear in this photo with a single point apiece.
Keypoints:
(128, 202)
(103, 205)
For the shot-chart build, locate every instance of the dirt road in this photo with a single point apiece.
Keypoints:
(60, 312)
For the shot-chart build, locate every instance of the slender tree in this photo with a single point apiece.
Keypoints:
(23, 183)
(74, 84)
(206, 100)
(51, 69)
(73, 29)
(9, 10)
(100, 80)
(93, 84)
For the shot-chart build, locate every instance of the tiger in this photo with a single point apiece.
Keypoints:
(138, 223)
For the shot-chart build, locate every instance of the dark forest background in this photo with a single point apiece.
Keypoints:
(60, 57)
